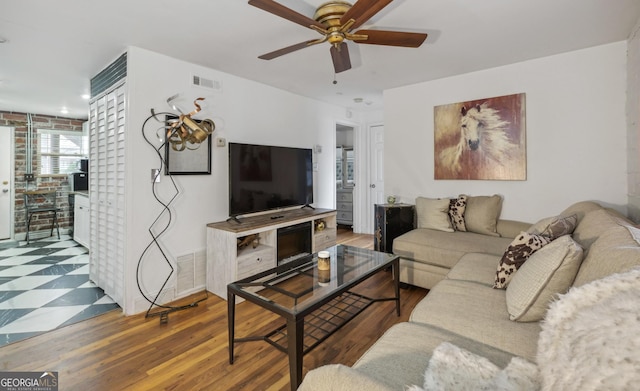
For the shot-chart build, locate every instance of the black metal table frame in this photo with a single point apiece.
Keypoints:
(295, 322)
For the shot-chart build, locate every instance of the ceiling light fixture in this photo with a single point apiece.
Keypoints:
(86, 96)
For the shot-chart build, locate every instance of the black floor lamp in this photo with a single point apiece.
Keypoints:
(182, 135)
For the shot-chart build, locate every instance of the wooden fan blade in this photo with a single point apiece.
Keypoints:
(284, 12)
(340, 56)
(287, 50)
(391, 38)
(362, 11)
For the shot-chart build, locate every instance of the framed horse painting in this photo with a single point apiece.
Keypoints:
(481, 139)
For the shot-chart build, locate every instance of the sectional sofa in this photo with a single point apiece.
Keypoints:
(565, 318)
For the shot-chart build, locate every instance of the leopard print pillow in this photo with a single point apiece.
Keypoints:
(457, 207)
(519, 250)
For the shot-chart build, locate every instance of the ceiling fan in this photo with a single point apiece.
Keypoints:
(335, 21)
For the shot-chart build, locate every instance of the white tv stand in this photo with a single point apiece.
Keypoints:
(226, 263)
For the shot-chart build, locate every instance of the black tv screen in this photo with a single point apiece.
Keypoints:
(263, 177)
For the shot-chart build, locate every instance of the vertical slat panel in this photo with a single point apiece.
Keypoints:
(107, 181)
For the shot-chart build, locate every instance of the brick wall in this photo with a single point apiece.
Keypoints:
(52, 182)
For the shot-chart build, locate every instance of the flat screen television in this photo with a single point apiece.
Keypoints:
(263, 177)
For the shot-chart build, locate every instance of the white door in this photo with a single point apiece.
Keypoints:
(6, 159)
(376, 171)
(107, 239)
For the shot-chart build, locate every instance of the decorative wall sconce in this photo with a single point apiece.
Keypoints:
(187, 132)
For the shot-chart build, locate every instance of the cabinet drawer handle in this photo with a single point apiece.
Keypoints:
(258, 260)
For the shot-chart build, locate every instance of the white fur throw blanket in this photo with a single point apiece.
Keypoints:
(455, 369)
(590, 337)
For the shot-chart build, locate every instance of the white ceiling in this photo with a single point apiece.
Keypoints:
(53, 48)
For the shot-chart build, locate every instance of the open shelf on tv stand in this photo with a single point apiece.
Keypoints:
(227, 263)
(239, 219)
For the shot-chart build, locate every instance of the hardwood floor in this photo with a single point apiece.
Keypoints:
(114, 352)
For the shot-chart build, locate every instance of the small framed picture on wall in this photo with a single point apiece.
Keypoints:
(194, 159)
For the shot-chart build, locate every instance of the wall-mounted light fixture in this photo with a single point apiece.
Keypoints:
(187, 133)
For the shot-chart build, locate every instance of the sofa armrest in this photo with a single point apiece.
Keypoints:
(338, 377)
(511, 228)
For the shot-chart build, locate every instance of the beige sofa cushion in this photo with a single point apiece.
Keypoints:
(445, 248)
(476, 267)
(580, 209)
(477, 312)
(338, 377)
(615, 251)
(421, 274)
(482, 213)
(399, 358)
(592, 225)
(433, 213)
(511, 228)
(541, 225)
(548, 272)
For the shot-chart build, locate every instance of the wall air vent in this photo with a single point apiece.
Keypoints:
(206, 83)
(192, 270)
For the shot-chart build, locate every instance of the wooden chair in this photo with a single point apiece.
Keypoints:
(42, 201)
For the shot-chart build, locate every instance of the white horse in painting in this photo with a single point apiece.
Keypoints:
(482, 133)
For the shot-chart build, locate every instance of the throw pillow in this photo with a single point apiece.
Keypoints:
(481, 214)
(560, 226)
(457, 207)
(541, 225)
(456, 369)
(589, 338)
(548, 272)
(518, 251)
(433, 213)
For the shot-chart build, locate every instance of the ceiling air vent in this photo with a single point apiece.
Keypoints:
(206, 83)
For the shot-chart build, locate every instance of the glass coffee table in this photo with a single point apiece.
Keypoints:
(314, 303)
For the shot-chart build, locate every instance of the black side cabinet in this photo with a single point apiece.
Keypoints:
(391, 221)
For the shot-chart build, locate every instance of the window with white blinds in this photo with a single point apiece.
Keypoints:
(59, 151)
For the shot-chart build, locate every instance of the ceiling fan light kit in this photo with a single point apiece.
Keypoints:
(335, 21)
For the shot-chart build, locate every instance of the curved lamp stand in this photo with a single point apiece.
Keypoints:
(182, 135)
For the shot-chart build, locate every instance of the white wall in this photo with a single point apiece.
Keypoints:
(576, 132)
(633, 121)
(251, 112)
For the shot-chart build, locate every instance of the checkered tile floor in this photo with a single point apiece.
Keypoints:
(45, 285)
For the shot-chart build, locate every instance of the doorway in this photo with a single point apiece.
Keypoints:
(345, 176)
(6, 180)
